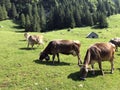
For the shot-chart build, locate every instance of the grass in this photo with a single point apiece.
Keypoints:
(20, 68)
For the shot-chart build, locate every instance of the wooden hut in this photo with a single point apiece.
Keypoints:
(92, 35)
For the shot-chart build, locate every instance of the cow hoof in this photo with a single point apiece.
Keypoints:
(112, 72)
(83, 79)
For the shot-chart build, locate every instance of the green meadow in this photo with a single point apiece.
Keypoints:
(20, 68)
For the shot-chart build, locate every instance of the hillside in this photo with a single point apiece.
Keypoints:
(20, 68)
(47, 15)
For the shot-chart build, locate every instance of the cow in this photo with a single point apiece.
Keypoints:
(97, 53)
(33, 39)
(116, 42)
(61, 46)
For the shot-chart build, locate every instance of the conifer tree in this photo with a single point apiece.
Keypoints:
(50, 21)
(102, 21)
(77, 17)
(67, 17)
(117, 4)
(8, 5)
(101, 6)
(36, 23)
(29, 8)
(89, 19)
(61, 14)
(72, 21)
(4, 12)
(108, 9)
(95, 18)
(23, 20)
(14, 11)
(27, 24)
(56, 18)
(42, 18)
(1, 13)
(35, 10)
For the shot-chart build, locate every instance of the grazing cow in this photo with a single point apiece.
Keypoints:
(34, 39)
(97, 53)
(61, 46)
(116, 42)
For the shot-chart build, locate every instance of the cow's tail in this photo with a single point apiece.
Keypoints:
(96, 52)
(77, 43)
(87, 57)
(91, 53)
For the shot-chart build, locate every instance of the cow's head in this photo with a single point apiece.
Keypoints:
(44, 56)
(83, 72)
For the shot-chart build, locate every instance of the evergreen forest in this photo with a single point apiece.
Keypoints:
(47, 15)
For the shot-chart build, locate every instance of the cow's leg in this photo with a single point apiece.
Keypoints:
(112, 67)
(58, 57)
(93, 72)
(79, 59)
(32, 44)
(116, 49)
(28, 45)
(53, 57)
(78, 55)
(100, 67)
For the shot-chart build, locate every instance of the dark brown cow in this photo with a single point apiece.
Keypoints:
(61, 46)
(97, 53)
(116, 42)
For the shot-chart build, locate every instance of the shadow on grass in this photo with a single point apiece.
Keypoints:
(51, 63)
(17, 27)
(118, 54)
(118, 69)
(25, 48)
(76, 75)
(19, 31)
(23, 40)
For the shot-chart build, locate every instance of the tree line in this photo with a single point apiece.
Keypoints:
(46, 15)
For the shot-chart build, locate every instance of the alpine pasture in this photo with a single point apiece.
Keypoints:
(20, 68)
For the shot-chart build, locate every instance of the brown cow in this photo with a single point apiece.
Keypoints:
(116, 42)
(34, 39)
(97, 53)
(61, 46)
